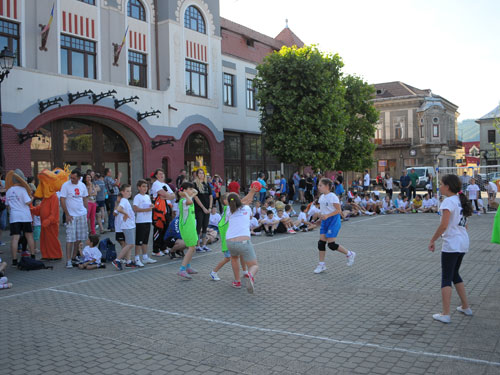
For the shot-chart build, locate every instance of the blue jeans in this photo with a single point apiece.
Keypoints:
(111, 217)
(262, 197)
(296, 193)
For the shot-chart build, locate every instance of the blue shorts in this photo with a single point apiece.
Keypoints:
(330, 227)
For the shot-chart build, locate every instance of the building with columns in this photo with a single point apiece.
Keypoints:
(153, 71)
(416, 128)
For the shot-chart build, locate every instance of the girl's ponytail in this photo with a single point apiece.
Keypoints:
(234, 202)
(466, 205)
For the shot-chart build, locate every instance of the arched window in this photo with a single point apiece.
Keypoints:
(136, 10)
(194, 20)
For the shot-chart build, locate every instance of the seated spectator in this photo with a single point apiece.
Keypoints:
(255, 227)
(4, 282)
(270, 223)
(285, 224)
(387, 206)
(256, 210)
(428, 205)
(416, 204)
(214, 219)
(302, 223)
(290, 211)
(404, 206)
(314, 213)
(173, 239)
(91, 254)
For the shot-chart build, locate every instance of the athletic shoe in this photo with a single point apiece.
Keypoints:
(478, 213)
(184, 274)
(236, 284)
(14, 262)
(442, 318)
(149, 261)
(245, 274)
(118, 264)
(350, 260)
(138, 263)
(291, 231)
(199, 249)
(320, 268)
(6, 286)
(214, 276)
(249, 283)
(158, 254)
(191, 271)
(466, 311)
(69, 264)
(206, 248)
(130, 265)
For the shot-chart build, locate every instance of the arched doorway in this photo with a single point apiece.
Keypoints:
(197, 153)
(80, 143)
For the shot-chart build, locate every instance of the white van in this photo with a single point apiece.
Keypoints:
(423, 173)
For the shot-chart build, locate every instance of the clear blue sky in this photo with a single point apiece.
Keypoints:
(451, 47)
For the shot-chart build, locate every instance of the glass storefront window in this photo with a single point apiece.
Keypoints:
(113, 142)
(253, 146)
(77, 137)
(232, 147)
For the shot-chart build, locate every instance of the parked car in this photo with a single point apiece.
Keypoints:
(493, 176)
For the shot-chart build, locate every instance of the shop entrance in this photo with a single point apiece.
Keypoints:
(197, 153)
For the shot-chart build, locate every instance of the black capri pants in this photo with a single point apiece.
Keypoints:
(202, 220)
(450, 264)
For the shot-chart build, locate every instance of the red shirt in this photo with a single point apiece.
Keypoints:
(234, 187)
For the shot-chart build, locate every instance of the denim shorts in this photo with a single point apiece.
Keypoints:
(245, 248)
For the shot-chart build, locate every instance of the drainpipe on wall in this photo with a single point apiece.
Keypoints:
(157, 58)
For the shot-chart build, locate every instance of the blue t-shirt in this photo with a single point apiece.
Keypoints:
(173, 230)
(263, 183)
(283, 185)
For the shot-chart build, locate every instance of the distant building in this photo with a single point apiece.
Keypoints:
(468, 154)
(488, 135)
(416, 128)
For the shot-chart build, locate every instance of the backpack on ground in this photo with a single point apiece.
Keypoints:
(108, 250)
(29, 264)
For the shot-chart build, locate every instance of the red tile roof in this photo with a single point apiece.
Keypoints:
(397, 89)
(289, 38)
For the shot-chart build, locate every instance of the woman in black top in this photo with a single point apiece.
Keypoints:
(302, 188)
(309, 188)
(203, 205)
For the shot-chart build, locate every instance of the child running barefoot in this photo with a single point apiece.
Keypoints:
(453, 229)
(223, 225)
(187, 227)
(127, 225)
(238, 236)
(330, 225)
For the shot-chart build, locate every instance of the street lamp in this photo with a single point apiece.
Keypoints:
(7, 58)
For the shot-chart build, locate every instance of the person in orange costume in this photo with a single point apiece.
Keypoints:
(48, 210)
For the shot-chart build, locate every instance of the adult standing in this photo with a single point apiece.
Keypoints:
(112, 186)
(100, 201)
(217, 183)
(180, 178)
(366, 181)
(74, 202)
(464, 179)
(302, 188)
(283, 186)
(18, 199)
(309, 188)
(203, 205)
(92, 201)
(413, 186)
(292, 191)
(388, 185)
(296, 181)
(404, 183)
(234, 186)
(162, 194)
(263, 190)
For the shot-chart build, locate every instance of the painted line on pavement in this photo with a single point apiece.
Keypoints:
(283, 332)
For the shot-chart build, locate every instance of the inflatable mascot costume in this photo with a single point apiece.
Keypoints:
(48, 210)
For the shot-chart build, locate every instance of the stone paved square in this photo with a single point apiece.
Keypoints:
(372, 318)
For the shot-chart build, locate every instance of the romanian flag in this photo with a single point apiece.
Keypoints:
(123, 42)
(47, 27)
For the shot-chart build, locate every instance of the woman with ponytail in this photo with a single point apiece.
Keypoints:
(455, 209)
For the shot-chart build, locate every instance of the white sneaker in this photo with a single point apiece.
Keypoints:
(257, 234)
(159, 254)
(350, 260)
(214, 276)
(442, 318)
(138, 263)
(149, 261)
(320, 268)
(69, 264)
(466, 311)
(478, 213)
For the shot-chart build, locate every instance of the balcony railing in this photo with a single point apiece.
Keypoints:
(388, 143)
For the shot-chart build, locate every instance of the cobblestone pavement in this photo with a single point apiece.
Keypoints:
(374, 317)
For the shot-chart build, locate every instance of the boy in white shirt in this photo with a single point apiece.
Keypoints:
(270, 223)
(215, 217)
(285, 221)
(255, 227)
(91, 254)
(428, 204)
(473, 193)
(142, 207)
(314, 212)
(302, 223)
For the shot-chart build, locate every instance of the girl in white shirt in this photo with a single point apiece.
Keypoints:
(387, 206)
(330, 225)
(127, 216)
(455, 209)
(238, 237)
(473, 193)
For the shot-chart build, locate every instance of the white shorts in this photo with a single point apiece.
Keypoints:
(77, 230)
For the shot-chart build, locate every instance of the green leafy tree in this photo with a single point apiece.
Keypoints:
(304, 89)
(357, 153)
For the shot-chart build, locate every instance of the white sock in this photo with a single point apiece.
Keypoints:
(129, 261)
(144, 256)
(137, 258)
(349, 253)
(245, 272)
(321, 263)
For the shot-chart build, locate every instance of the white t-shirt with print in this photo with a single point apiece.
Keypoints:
(254, 223)
(267, 220)
(326, 203)
(74, 194)
(130, 222)
(388, 183)
(239, 223)
(427, 203)
(17, 198)
(90, 253)
(455, 237)
(143, 201)
(214, 219)
(157, 186)
(473, 191)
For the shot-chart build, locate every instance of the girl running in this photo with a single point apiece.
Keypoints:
(238, 236)
(330, 225)
(455, 209)
(187, 226)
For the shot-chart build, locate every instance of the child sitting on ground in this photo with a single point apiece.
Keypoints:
(302, 223)
(428, 204)
(256, 210)
(404, 206)
(91, 254)
(285, 224)
(387, 206)
(416, 204)
(214, 219)
(255, 227)
(290, 211)
(270, 223)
